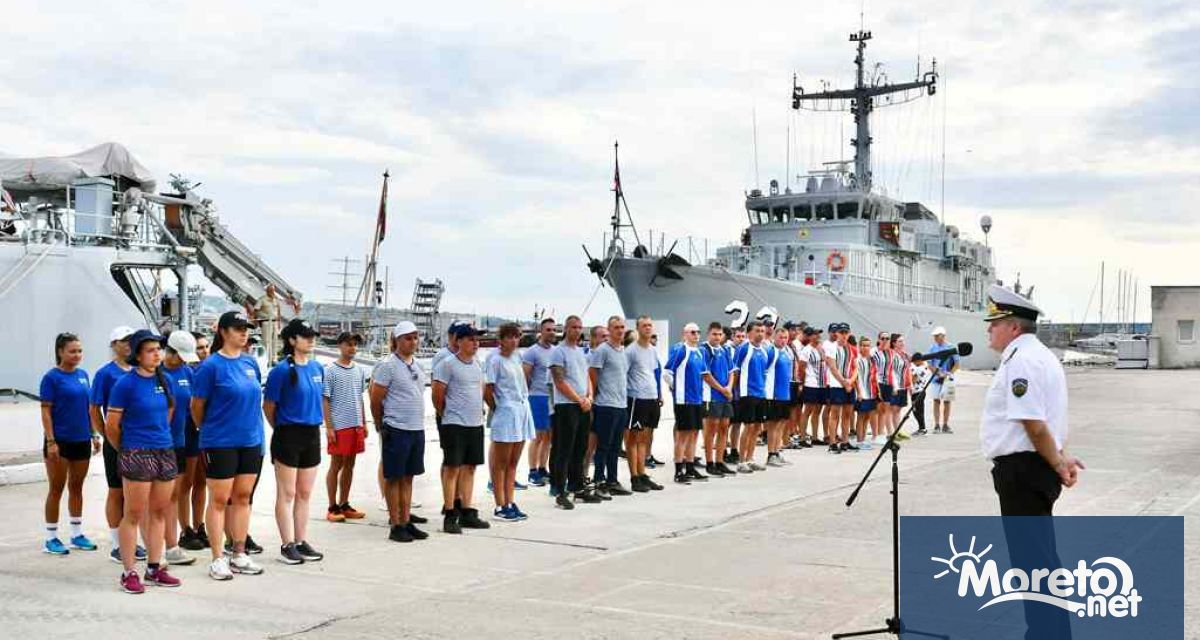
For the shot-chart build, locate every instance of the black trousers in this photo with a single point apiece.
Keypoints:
(1029, 486)
(568, 447)
(918, 410)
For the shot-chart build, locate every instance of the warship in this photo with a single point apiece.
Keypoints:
(835, 251)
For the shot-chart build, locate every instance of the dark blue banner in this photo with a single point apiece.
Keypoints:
(1063, 577)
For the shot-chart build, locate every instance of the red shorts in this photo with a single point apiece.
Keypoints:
(349, 442)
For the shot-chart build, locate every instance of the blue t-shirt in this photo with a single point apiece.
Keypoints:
(686, 365)
(538, 358)
(299, 402)
(783, 374)
(232, 393)
(943, 364)
(181, 389)
(751, 363)
(102, 385)
(145, 422)
(68, 395)
(717, 360)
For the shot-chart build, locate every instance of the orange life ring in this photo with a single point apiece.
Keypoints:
(836, 261)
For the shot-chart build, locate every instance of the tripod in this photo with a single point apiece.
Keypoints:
(892, 624)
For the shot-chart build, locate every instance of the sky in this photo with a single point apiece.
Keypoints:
(1072, 124)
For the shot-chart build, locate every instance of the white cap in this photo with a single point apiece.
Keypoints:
(691, 326)
(120, 333)
(403, 328)
(183, 343)
(938, 331)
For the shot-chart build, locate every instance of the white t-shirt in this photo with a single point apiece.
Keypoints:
(1029, 384)
(830, 349)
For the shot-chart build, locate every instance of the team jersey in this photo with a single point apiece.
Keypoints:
(752, 364)
(843, 359)
(899, 376)
(814, 366)
(782, 373)
(687, 368)
(145, 423)
(719, 364)
(879, 360)
(866, 379)
(181, 390)
(297, 399)
(67, 394)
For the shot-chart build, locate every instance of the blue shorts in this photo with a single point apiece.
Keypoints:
(865, 406)
(540, 406)
(402, 452)
(899, 398)
(813, 395)
(885, 393)
(839, 396)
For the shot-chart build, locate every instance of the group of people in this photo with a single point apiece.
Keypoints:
(180, 423)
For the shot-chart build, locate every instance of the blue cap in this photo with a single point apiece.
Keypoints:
(136, 340)
(463, 330)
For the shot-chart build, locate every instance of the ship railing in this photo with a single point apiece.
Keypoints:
(695, 249)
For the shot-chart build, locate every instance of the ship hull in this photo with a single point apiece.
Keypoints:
(704, 292)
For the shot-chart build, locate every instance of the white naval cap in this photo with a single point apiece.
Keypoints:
(1003, 303)
(403, 328)
(938, 331)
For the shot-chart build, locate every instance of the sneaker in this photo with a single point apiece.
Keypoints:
(202, 535)
(139, 553)
(725, 470)
(654, 486)
(308, 553)
(601, 490)
(469, 519)
(416, 519)
(563, 502)
(191, 540)
(178, 556)
(83, 543)
(159, 577)
(536, 479)
(334, 514)
(588, 496)
(241, 563)
(902, 436)
(946, 430)
(289, 555)
(846, 446)
(516, 511)
(518, 486)
(711, 469)
(450, 522)
(131, 583)
(55, 547)
(219, 569)
(400, 533)
(252, 547)
(920, 432)
(682, 478)
(656, 461)
(833, 448)
(651, 462)
(819, 443)
(416, 533)
(937, 429)
(805, 444)
(504, 514)
(638, 485)
(866, 446)
(756, 466)
(351, 513)
(881, 440)
(744, 468)
(615, 489)
(114, 555)
(773, 460)
(785, 461)
(693, 474)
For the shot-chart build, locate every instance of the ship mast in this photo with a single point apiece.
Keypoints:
(862, 103)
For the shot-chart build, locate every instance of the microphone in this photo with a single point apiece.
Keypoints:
(961, 349)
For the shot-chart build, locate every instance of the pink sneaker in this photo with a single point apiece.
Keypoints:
(130, 583)
(159, 577)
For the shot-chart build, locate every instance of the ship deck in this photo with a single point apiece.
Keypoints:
(770, 555)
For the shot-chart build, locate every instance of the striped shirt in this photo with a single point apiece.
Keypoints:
(879, 359)
(687, 368)
(344, 388)
(898, 376)
(842, 358)
(865, 379)
(404, 404)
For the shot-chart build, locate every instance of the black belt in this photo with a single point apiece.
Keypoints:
(1020, 456)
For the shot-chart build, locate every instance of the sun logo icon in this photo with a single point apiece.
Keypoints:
(957, 558)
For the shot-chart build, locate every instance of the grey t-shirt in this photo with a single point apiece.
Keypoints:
(538, 357)
(644, 371)
(575, 369)
(612, 369)
(464, 391)
(404, 404)
(438, 356)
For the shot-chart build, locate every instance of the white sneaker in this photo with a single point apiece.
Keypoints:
(757, 467)
(785, 461)
(743, 468)
(241, 563)
(773, 461)
(219, 569)
(178, 556)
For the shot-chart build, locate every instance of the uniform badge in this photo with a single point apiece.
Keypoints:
(1019, 387)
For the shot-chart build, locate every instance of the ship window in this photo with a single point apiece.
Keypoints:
(825, 211)
(780, 214)
(802, 212)
(847, 210)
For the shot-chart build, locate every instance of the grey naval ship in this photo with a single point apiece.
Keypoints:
(835, 251)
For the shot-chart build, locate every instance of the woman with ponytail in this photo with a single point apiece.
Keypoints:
(293, 406)
(138, 424)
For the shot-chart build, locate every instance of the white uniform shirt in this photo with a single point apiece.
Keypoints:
(1029, 385)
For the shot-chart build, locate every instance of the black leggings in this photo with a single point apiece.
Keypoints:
(568, 447)
(918, 409)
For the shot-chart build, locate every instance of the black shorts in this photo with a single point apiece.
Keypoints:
(689, 417)
(751, 410)
(191, 440)
(839, 396)
(112, 466)
(719, 410)
(461, 445)
(74, 450)
(402, 452)
(296, 445)
(223, 464)
(181, 458)
(779, 409)
(644, 414)
(797, 394)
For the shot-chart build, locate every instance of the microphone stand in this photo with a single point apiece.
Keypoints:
(893, 624)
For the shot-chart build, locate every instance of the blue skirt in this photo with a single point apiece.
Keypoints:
(511, 422)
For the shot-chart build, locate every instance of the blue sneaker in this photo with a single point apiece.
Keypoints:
(82, 543)
(139, 553)
(518, 486)
(55, 547)
(504, 514)
(489, 489)
(517, 512)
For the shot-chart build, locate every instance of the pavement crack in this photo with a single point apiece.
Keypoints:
(324, 624)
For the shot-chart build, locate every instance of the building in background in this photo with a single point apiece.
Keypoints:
(1175, 314)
